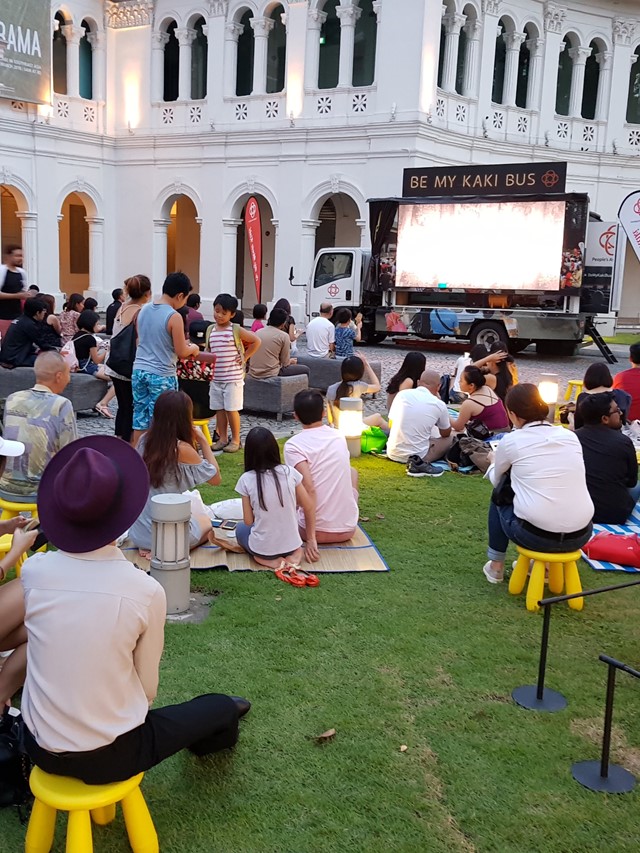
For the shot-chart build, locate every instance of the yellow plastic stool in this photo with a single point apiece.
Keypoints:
(12, 509)
(563, 571)
(83, 802)
(204, 426)
(573, 385)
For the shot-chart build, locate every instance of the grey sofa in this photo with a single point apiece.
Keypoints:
(326, 371)
(274, 395)
(84, 391)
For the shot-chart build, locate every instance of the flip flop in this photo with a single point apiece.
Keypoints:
(309, 578)
(103, 410)
(285, 574)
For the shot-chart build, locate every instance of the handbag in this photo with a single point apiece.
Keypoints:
(621, 548)
(503, 494)
(478, 429)
(373, 440)
(477, 451)
(15, 764)
(122, 352)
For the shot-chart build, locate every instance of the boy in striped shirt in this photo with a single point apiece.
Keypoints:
(232, 346)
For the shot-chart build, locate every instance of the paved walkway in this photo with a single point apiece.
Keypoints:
(442, 359)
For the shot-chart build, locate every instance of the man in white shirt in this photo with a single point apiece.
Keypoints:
(420, 427)
(321, 333)
(95, 631)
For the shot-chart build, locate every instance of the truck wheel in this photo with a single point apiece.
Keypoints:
(556, 348)
(371, 337)
(488, 333)
(516, 345)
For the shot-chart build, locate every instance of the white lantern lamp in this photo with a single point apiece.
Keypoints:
(548, 388)
(350, 423)
(170, 554)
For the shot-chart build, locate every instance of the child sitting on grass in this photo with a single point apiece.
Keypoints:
(270, 493)
(358, 378)
(347, 333)
(232, 346)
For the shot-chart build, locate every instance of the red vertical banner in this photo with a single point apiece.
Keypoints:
(253, 227)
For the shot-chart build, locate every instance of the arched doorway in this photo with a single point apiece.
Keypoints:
(183, 239)
(73, 236)
(338, 216)
(245, 284)
(10, 225)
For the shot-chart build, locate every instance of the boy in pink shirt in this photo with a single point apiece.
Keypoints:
(321, 455)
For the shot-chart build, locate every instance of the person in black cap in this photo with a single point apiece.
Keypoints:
(95, 631)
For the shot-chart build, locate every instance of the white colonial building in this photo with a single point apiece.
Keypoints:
(167, 116)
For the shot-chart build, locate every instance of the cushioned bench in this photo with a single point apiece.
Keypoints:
(84, 391)
(273, 395)
(326, 371)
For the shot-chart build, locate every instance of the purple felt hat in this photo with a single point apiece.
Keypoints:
(90, 492)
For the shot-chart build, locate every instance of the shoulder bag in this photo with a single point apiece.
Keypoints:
(122, 351)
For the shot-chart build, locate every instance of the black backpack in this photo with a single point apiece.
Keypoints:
(15, 764)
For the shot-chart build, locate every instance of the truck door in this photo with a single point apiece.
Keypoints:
(334, 279)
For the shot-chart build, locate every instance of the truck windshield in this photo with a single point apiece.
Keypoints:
(332, 267)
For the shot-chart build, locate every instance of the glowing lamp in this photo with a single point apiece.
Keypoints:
(350, 424)
(170, 559)
(548, 388)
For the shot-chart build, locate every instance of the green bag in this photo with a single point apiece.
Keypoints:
(373, 438)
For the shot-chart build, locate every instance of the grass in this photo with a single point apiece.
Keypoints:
(624, 338)
(425, 656)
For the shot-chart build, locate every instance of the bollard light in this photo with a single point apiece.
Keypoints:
(170, 556)
(548, 388)
(350, 423)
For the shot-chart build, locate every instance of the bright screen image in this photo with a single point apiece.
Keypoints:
(498, 246)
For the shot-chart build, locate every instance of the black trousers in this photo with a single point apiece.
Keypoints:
(124, 415)
(204, 725)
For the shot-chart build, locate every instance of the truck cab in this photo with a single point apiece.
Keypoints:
(337, 277)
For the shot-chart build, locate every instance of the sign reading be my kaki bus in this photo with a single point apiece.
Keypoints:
(25, 48)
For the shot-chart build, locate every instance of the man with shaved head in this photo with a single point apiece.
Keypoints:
(43, 421)
(420, 427)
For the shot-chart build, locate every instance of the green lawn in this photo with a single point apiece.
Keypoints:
(624, 338)
(425, 656)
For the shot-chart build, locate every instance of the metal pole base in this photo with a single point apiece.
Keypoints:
(619, 780)
(527, 697)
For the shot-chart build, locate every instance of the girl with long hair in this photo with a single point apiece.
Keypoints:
(290, 327)
(358, 378)
(69, 316)
(410, 372)
(170, 452)
(91, 357)
(270, 493)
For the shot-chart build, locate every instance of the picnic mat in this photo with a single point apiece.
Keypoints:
(358, 554)
(632, 526)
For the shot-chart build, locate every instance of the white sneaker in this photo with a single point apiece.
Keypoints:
(487, 573)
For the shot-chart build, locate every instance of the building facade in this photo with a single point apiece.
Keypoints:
(167, 116)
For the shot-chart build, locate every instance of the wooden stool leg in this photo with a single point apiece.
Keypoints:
(572, 580)
(104, 815)
(140, 829)
(519, 575)
(556, 578)
(79, 839)
(535, 590)
(42, 824)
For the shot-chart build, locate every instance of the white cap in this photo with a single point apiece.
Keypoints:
(11, 448)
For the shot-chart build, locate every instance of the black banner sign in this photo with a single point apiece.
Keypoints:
(513, 179)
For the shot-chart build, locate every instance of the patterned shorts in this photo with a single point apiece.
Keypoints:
(147, 387)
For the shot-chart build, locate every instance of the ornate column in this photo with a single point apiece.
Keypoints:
(73, 35)
(28, 221)
(315, 21)
(553, 45)
(159, 260)
(536, 49)
(185, 38)
(232, 33)
(453, 25)
(307, 248)
(348, 16)
(604, 60)
(624, 31)
(513, 42)
(261, 28)
(158, 42)
(579, 55)
(490, 31)
(473, 31)
(229, 252)
(96, 252)
(98, 64)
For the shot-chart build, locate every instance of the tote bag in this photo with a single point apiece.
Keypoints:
(122, 352)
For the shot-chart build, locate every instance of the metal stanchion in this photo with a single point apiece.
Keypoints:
(170, 556)
(601, 775)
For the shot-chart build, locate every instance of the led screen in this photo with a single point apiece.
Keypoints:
(499, 246)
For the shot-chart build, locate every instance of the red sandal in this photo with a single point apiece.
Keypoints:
(288, 575)
(309, 578)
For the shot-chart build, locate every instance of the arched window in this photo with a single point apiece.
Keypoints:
(462, 58)
(86, 63)
(563, 87)
(199, 49)
(59, 55)
(633, 102)
(329, 64)
(591, 82)
(244, 66)
(171, 64)
(443, 41)
(497, 92)
(276, 52)
(524, 65)
(364, 48)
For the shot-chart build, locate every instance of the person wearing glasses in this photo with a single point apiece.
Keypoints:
(609, 458)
